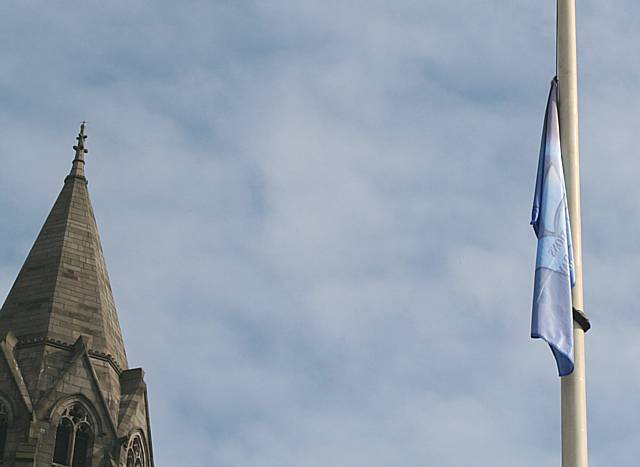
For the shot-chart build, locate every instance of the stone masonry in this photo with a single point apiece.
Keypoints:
(66, 389)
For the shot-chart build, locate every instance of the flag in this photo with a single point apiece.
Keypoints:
(552, 317)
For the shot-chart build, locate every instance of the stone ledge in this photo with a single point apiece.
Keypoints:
(35, 341)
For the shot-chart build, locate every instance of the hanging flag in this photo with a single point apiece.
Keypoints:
(552, 317)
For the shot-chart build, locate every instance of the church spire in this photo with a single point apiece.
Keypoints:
(63, 290)
(67, 395)
(77, 169)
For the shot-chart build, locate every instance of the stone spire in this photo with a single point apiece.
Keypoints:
(67, 396)
(63, 289)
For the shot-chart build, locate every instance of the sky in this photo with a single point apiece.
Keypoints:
(316, 218)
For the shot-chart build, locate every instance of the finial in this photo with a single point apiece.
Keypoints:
(80, 150)
(77, 170)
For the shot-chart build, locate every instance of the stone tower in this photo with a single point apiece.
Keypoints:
(67, 395)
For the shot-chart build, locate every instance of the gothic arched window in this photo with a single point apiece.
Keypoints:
(4, 426)
(135, 453)
(73, 438)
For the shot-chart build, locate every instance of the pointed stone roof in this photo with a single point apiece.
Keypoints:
(63, 289)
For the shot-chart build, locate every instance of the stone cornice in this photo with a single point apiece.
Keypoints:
(39, 340)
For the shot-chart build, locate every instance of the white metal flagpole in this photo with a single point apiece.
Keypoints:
(573, 386)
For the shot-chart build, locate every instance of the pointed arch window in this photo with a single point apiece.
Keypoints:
(135, 453)
(4, 427)
(74, 437)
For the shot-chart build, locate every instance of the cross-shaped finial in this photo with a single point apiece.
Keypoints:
(77, 167)
(80, 150)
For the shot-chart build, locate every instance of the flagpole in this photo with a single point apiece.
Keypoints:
(573, 386)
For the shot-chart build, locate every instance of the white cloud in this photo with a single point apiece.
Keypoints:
(315, 218)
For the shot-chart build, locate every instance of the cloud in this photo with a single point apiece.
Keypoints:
(315, 218)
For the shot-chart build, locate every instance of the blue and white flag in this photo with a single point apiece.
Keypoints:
(552, 318)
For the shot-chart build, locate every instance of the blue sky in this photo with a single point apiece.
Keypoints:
(315, 217)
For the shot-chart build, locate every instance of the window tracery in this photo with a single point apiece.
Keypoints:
(135, 453)
(73, 438)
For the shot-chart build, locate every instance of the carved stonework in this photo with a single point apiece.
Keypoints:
(67, 395)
